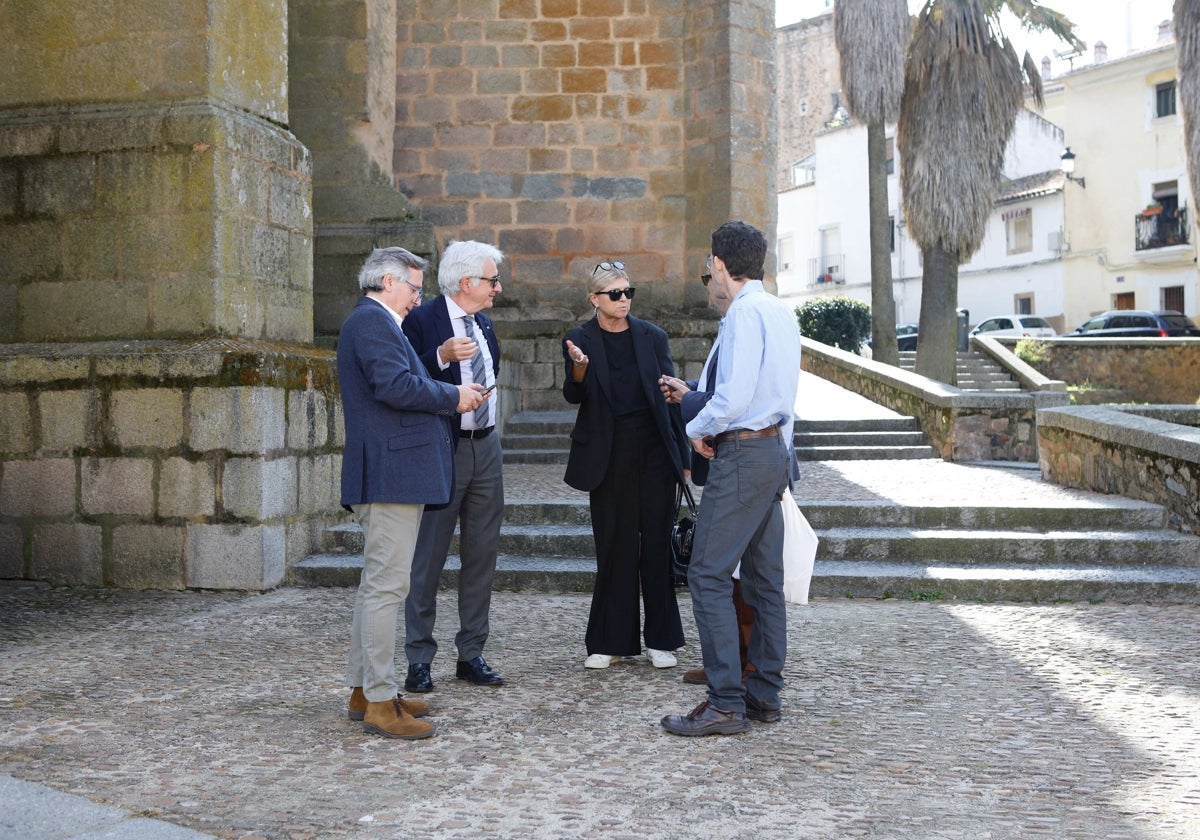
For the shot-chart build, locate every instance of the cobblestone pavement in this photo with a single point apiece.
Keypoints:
(225, 713)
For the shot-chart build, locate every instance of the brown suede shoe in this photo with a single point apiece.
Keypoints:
(358, 705)
(391, 721)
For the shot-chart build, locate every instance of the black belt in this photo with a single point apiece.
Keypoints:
(475, 434)
(743, 434)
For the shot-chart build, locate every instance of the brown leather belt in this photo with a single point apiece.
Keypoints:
(744, 434)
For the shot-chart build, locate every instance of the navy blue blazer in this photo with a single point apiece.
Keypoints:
(592, 436)
(396, 417)
(429, 325)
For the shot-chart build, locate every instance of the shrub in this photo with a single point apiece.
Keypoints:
(840, 322)
(1032, 352)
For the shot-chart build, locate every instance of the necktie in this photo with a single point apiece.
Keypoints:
(478, 374)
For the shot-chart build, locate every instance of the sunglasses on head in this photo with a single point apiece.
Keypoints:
(616, 265)
(615, 294)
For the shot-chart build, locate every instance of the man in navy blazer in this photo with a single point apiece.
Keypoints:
(397, 459)
(457, 345)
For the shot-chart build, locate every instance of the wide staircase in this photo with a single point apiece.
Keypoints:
(861, 440)
(542, 437)
(1100, 548)
(974, 371)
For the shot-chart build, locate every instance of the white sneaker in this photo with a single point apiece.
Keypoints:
(661, 658)
(600, 660)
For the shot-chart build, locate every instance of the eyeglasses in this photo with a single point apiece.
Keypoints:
(495, 281)
(705, 278)
(615, 265)
(420, 292)
(615, 294)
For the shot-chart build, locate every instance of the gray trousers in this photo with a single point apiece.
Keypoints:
(477, 507)
(740, 520)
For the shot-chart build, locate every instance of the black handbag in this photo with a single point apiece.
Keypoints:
(681, 535)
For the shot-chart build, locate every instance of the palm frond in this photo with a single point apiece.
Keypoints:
(872, 39)
(963, 90)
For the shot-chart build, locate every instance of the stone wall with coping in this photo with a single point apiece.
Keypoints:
(961, 425)
(206, 464)
(1143, 452)
(1151, 370)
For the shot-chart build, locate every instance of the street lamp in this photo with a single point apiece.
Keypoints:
(1068, 167)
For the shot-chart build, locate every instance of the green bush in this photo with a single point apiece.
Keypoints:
(840, 322)
(1032, 352)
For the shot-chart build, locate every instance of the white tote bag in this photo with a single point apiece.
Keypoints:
(799, 552)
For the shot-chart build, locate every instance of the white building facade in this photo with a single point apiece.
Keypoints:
(823, 230)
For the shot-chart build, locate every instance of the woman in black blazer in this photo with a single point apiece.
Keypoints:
(629, 451)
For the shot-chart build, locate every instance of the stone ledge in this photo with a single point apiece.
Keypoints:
(1134, 427)
(962, 425)
(1144, 452)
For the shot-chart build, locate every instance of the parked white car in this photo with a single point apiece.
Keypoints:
(1019, 326)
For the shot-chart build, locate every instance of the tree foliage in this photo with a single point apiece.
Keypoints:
(839, 321)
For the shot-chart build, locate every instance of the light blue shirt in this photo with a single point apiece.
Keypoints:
(758, 367)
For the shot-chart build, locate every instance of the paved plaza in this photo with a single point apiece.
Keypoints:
(225, 714)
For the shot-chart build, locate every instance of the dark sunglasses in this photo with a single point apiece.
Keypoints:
(615, 294)
(705, 278)
(616, 265)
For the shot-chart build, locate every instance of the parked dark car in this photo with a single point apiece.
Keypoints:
(1134, 323)
(906, 337)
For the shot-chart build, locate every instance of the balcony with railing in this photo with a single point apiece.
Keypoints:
(1156, 228)
(828, 270)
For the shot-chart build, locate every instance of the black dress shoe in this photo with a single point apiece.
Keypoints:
(759, 712)
(478, 672)
(706, 720)
(418, 680)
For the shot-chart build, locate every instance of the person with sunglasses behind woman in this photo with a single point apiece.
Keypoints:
(629, 452)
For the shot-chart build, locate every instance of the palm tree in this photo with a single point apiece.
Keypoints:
(872, 38)
(1187, 43)
(963, 89)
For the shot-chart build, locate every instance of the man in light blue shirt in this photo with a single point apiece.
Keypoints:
(745, 430)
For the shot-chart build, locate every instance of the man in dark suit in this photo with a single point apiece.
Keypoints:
(397, 459)
(457, 345)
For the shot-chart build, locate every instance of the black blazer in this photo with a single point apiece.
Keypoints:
(429, 325)
(592, 437)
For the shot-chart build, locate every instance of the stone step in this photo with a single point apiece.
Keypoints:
(882, 424)
(844, 517)
(876, 549)
(536, 456)
(983, 547)
(935, 582)
(847, 578)
(850, 439)
(863, 453)
(538, 574)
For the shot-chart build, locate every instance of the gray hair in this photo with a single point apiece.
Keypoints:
(601, 277)
(465, 259)
(394, 261)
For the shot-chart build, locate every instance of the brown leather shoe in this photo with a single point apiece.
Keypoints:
(391, 721)
(358, 705)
